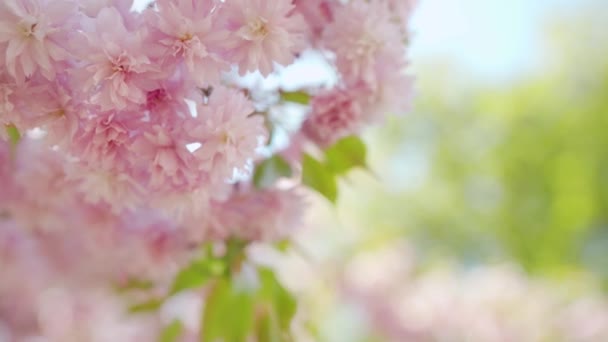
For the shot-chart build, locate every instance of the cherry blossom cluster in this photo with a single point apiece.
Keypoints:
(367, 40)
(127, 140)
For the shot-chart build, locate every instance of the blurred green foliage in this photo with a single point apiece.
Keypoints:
(511, 171)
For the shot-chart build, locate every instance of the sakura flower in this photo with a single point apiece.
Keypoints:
(92, 8)
(149, 242)
(34, 34)
(334, 114)
(188, 33)
(317, 13)
(115, 189)
(186, 208)
(166, 101)
(55, 110)
(402, 8)
(118, 66)
(103, 142)
(67, 314)
(393, 94)
(263, 32)
(267, 215)
(229, 134)
(361, 36)
(167, 160)
(39, 174)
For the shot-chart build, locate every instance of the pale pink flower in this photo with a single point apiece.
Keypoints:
(263, 33)
(55, 110)
(118, 63)
(152, 245)
(92, 8)
(115, 189)
(39, 174)
(164, 156)
(334, 114)
(294, 151)
(317, 13)
(103, 142)
(34, 34)
(166, 99)
(402, 9)
(228, 133)
(91, 314)
(187, 208)
(362, 37)
(38, 169)
(19, 259)
(392, 95)
(188, 32)
(258, 215)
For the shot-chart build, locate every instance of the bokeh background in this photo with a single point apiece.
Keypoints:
(484, 216)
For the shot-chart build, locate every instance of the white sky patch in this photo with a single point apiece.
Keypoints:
(494, 39)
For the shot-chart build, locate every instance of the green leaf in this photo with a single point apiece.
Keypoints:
(242, 320)
(228, 314)
(235, 254)
(197, 274)
(13, 133)
(283, 303)
(316, 176)
(172, 332)
(135, 285)
(211, 326)
(267, 173)
(346, 154)
(267, 328)
(147, 306)
(283, 245)
(296, 97)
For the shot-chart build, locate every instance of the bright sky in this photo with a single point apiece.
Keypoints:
(491, 38)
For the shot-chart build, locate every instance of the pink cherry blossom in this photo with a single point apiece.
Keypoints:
(392, 95)
(132, 143)
(228, 133)
(263, 33)
(253, 215)
(115, 189)
(188, 33)
(91, 8)
(165, 101)
(402, 8)
(334, 114)
(34, 34)
(362, 38)
(55, 110)
(317, 13)
(103, 142)
(38, 173)
(118, 64)
(167, 160)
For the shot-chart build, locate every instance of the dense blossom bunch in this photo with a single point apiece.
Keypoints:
(127, 141)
